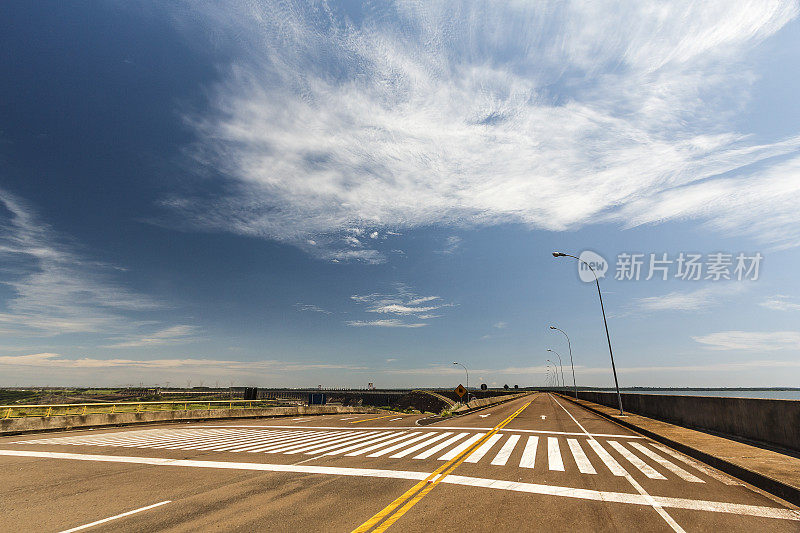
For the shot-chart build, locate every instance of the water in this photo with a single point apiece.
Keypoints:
(793, 394)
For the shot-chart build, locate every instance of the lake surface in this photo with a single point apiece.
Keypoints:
(751, 393)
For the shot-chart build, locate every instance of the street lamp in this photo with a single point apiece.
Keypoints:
(602, 309)
(555, 370)
(467, 372)
(574, 386)
(561, 366)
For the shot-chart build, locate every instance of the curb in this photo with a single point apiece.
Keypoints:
(773, 486)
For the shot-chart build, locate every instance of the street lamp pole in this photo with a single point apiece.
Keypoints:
(555, 371)
(569, 345)
(467, 372)
(605, 322)
(560, 366)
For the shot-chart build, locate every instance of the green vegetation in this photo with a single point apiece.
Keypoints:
(9, 396)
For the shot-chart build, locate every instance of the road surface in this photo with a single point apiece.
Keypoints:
(532, 464)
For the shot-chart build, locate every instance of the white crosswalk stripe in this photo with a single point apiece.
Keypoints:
(379, 445)
(529, 454)
(675, 469)
(299, 444)
(415, 443)
(505, 452)
(461, 447)
(254, 445)
(228, 442)
(643, 467)
(339, 439)
(403, 444)
(205, 444)
(554, 455)
(584, 466)
(335, 451)
(421, 445)
(341, 442)
(607, 459)
(441, 446)
(700, 467)
(294, 441)
(254, 441)
(483, 449)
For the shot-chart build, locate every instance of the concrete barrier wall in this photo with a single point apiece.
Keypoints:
(775, 422)
(485, 402)
(52, 423)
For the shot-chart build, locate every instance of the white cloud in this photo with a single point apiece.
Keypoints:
(554, 116)
(452, 244)
(386, 323)
(399, 309)
(696, 300)
(403, 303)
(780, 302)
(754, 341)
(54, 360)
(171, 335)
(55, 290)
(500, 325)
(311, 307)
(367, 256)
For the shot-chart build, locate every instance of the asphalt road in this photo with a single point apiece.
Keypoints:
(533, 464)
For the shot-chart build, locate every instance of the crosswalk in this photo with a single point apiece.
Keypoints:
(558, 453)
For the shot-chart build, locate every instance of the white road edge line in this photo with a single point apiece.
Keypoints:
(780, 513)
(121, 515)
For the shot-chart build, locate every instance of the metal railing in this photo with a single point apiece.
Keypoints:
(46, 410)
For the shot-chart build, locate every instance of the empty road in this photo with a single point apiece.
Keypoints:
(532, 464)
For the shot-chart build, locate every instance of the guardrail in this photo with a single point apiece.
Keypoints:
(48, 410)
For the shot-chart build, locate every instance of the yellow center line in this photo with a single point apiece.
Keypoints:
(427, 484)
(376, 418)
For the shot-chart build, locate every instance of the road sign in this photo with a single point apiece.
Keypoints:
(461, 391)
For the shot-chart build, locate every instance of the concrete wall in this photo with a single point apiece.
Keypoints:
(485, 402)
(24, 425)
(774, 422)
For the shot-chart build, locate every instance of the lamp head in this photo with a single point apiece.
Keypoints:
(552, 327)
(558, 254)
(549, 350)
(455, 362)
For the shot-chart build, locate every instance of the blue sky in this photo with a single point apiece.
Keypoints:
(295, 194)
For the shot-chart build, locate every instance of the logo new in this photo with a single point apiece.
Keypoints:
(594, 260)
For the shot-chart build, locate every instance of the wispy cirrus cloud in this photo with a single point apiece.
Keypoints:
(56, 290)
(54, 360)
(312, 308)
(780, 302)
(689, 300)
(752, 341)
(550, 115)
(403, 304)
(385, 323)
(167, 336)
(451, 244)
